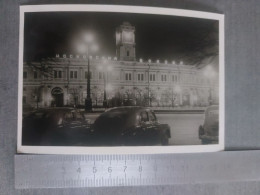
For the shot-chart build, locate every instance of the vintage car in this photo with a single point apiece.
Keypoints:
(55, 126)
(130, 125)
(208, 132)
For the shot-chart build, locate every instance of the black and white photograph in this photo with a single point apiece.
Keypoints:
(120, 79)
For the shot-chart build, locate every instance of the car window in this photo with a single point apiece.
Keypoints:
(144, 116)
(68, 116)
(78, 116)
(151, 116)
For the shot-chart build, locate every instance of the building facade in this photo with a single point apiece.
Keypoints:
(61, 80)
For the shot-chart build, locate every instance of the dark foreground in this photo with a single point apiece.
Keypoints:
(184, 127)
(70, 127)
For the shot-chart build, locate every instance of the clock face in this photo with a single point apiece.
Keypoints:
(128, 37)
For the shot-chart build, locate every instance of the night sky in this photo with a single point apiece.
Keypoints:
(157, 36)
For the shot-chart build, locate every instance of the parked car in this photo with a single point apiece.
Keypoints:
(55, 126)
(130, 125)
(208, 132)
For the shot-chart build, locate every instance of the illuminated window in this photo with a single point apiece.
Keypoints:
(73, 74)
(57, 74)
(163, 77)
(152, 77)
(174, 78)
(140, 77)
(128, 76)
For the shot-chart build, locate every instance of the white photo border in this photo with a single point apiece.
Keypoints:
(133, 149)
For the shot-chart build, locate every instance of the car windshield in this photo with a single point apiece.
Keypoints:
(113, 120)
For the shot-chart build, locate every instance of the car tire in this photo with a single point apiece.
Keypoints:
(164, 139)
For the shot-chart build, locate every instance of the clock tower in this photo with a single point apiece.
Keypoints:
(125, 42)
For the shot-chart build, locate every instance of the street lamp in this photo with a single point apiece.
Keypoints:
(88, 46)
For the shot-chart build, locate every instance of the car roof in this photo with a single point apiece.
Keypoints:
(129, 108)
(210, 108)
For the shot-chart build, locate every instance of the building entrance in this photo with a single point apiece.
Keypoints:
(186, 100)
(57, 94)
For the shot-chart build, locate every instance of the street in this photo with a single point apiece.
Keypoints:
(184, 127)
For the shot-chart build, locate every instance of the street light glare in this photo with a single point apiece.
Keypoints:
(88, 37)
(177, 88)
(94, 48)
(109, 87)
(82, 48)
(209, 72)
(109, 68)
(100, 68)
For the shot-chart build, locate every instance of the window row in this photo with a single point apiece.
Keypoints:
(25, 75)
(73, 74)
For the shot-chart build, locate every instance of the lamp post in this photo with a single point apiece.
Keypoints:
(86, 48)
